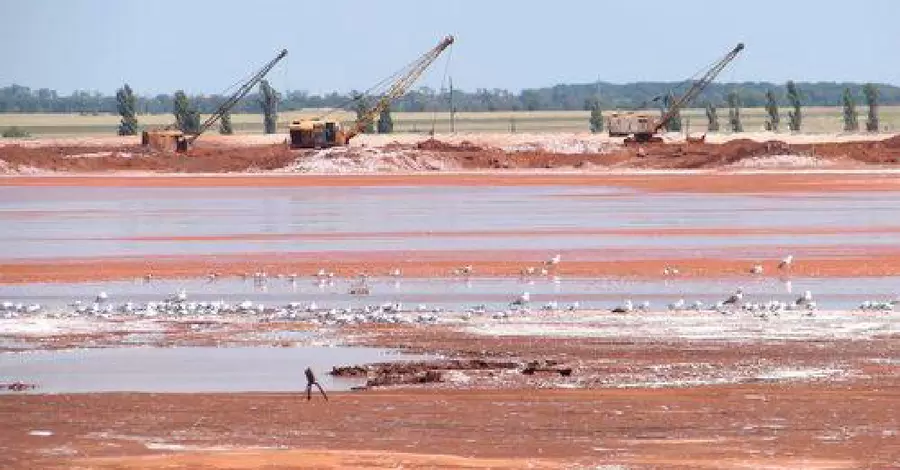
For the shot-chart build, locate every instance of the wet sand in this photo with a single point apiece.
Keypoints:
(860, 262)
(700, 182)
(747, 426)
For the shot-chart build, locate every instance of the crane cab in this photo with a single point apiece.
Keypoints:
(316, 133)
(164, 140)
(623, 124)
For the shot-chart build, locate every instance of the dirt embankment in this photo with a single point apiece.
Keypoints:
(437, 155)
(136, 158)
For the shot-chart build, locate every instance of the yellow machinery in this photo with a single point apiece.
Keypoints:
(323, 133)
(643, 126)
(170, 138)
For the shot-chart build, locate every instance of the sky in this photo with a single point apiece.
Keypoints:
(204, 46)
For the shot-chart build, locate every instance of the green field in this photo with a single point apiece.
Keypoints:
(815, 120)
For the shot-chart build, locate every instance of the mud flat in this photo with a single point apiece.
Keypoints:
(756, 425)
(677, 390)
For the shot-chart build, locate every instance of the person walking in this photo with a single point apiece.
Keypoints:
(310, 381)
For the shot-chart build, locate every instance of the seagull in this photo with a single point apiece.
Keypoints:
(677, 306)
(736, 298)
(465, 270)
(627, 307)
(554, 260)
(670, 271)
(804, 299)
(102, 297)
(756, 269)
(786, 262)
(179, 296)
(522, 300)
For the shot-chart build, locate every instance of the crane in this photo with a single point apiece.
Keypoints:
(166, 137)
(644, 126)
(319, 133)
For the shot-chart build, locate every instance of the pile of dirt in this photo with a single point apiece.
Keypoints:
(387, 159)
(421, 372)
(439, 146)
(436, 155)
(137, 158)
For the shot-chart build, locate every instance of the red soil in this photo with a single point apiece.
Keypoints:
(219, 158)
(751, 426)
(861, 262)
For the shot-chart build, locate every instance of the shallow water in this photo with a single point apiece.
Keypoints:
(39, 222)
(456, 294)
(185, 369)
(44, 222)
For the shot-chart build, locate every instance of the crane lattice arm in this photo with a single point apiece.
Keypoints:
(698, 86)
(242, 91)
(407, 77)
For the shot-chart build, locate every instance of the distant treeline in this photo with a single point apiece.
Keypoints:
(20, 99)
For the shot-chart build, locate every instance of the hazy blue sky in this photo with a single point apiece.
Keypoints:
(204, 46)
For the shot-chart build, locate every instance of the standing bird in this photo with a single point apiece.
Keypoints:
(396, 272)
(756, 269)
(670, 271)
(736, 298)
(804, 299)
(554, 260)
(102, 297)
(786, 262)
(521, 300)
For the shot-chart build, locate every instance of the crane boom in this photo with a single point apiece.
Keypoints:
(242, 91)
(400, 86)
(698, 86)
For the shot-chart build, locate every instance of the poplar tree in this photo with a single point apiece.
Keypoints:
(772, 110)
(125, 105)
(268, 100)
(850, 121)
(734, 112)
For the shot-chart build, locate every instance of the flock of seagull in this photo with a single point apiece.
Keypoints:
(178, 304)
